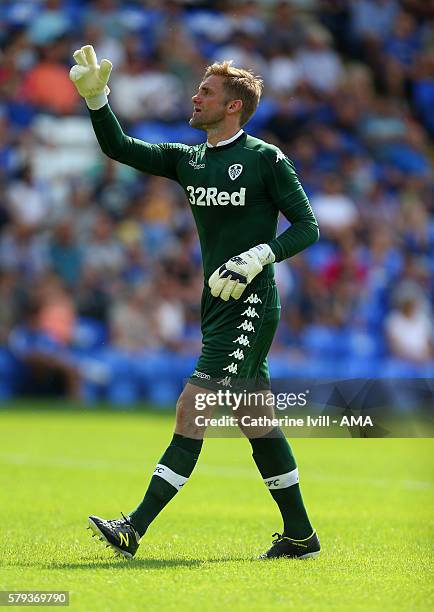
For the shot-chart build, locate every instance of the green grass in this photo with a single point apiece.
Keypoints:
(370, 500)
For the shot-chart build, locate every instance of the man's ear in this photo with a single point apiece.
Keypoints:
(235, 106)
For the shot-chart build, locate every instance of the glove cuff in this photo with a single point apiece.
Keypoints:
(265, 254)
(97, 102)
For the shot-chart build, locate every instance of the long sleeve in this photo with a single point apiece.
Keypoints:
(302, 233)
(289, 197)
(158, 159)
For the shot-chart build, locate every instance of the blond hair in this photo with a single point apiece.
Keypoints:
(239, 84)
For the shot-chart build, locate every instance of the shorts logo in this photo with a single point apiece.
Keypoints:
(253, 299)
(243, 340)
(225, 382)
(246, 326)
(250, 312)
(238, 354)
(201, 375)
(234, 171)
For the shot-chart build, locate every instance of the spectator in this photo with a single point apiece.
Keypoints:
(65, 256)
(285, 28)
(144, 89)
(52, 23)
(105, 45)
(47, 85)
(29, 200)
(335, 211)
(409, 327)
(317, 63)
(103, 252)
(401, 49)
(372, 20)
(106, 14)
(41, 342)
(283, 74)
(423, 89)
(133, 321)
(242, 49)
(56, 311)
(169, 315)
(92, 296)
(23, 252)
(8, 305)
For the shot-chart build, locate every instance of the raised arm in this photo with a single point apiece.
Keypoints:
(91, 81)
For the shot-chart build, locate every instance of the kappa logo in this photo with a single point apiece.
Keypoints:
(225, 382)
(195, 159)
(243, 340)
(232, 368)
(246, 325)
(279, 155)
(234, 171)
(253, 299)
(238, 354)
(195, 165)
(250, 312)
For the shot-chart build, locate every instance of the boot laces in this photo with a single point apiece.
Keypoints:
(278, 537)
(120, 522)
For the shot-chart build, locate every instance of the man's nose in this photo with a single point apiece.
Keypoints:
(195, 99)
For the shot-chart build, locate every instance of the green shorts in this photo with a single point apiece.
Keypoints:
(237, 337)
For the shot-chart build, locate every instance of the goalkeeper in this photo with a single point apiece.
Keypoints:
(236, 186)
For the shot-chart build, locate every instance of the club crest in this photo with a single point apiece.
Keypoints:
(234, 171)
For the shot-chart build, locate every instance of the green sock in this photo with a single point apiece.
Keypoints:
(169, 476)
(278, 468)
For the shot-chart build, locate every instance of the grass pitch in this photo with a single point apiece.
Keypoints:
(370, 500)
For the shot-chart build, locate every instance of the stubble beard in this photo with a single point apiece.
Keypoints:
(208, 124)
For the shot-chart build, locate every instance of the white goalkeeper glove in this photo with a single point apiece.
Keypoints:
(232, 278)
(91, 78)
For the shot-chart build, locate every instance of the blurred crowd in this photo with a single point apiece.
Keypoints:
(98, 260)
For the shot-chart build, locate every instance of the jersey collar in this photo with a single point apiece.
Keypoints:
(222, 143)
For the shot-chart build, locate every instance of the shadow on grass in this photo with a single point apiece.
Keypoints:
(129, 565)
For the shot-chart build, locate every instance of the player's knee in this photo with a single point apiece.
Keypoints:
(185, 418)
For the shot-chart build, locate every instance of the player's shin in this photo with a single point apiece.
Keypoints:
(276, 463)
(170, 475)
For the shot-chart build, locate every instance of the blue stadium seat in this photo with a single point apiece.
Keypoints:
(122, 386)
(90, 334)
(122, 391)
(9, 375)
(324, 342)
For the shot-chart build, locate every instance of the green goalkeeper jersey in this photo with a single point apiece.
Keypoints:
(235, 190)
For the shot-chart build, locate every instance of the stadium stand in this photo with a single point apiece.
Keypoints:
(92, 254)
